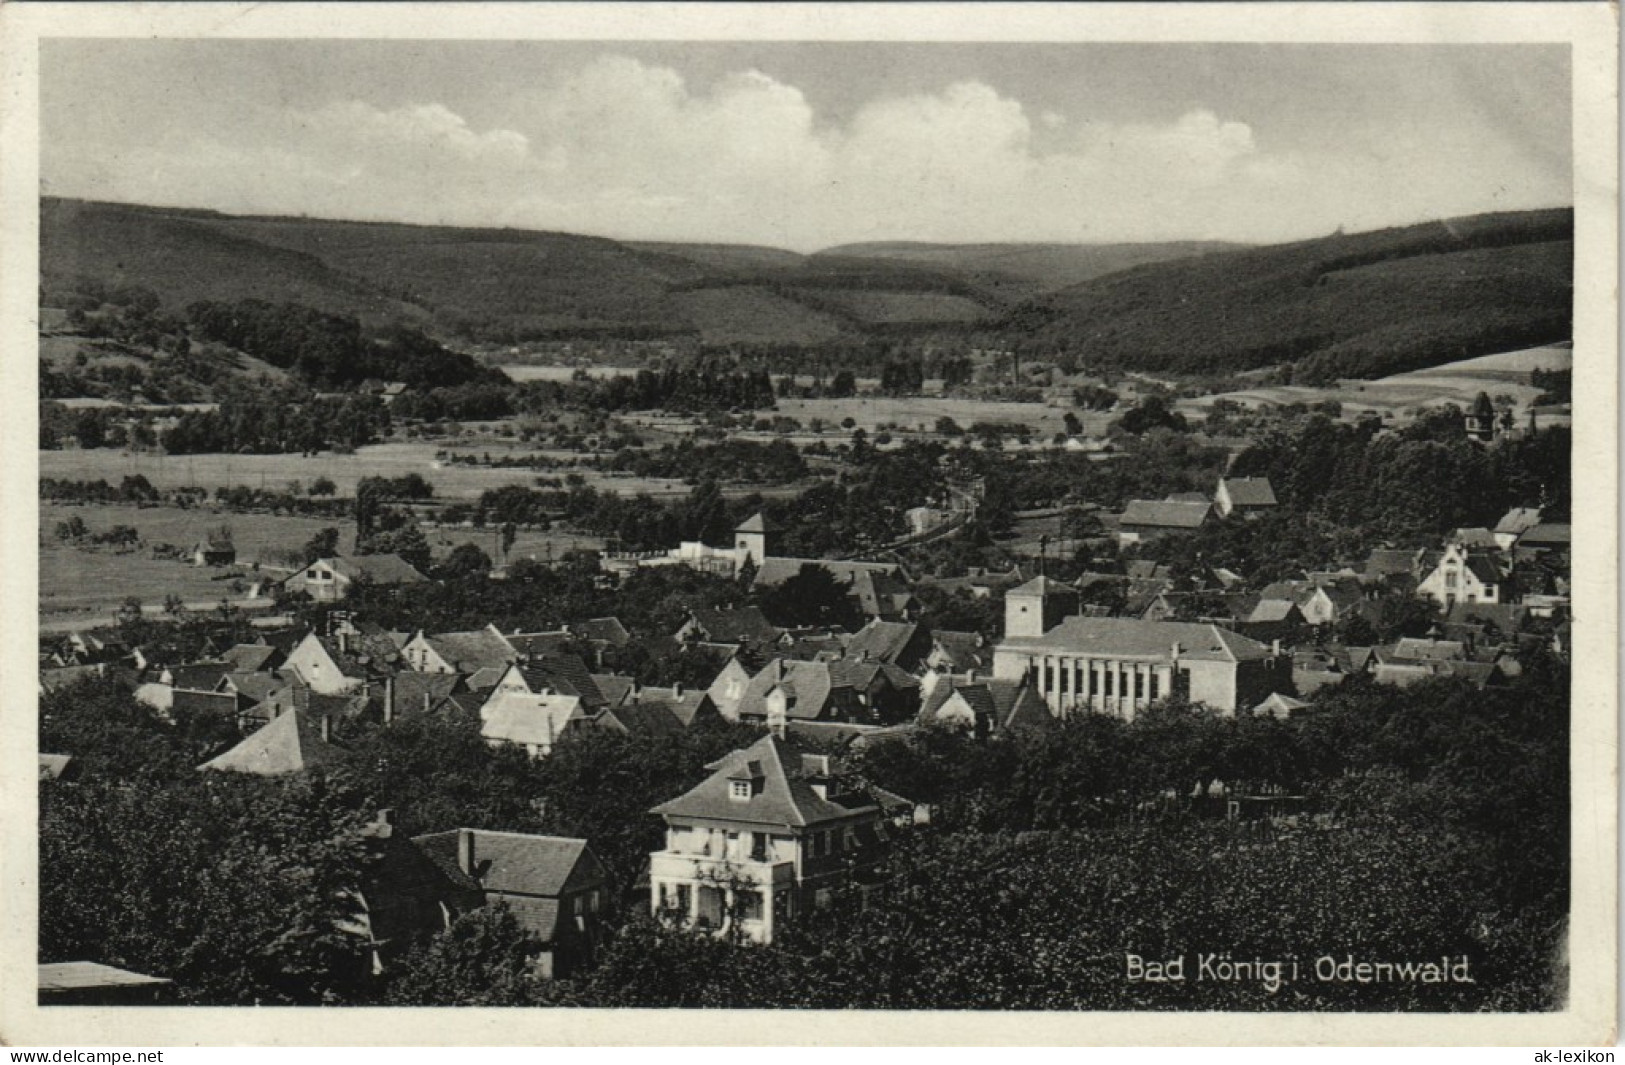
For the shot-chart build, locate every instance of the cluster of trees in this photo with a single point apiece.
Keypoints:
(700, 385)
(1151, 412)
(775, 462)
(268, 420)
(332, 350)
(1556, 386)
(483, 401)
(91, 427)
(134, 488)
(1344, 489)
(1409, 486)
(1441, 828)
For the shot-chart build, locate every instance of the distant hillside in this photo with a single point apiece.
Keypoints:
(187, 256)
(1043, 266)
(502, 285)
(1360, 305)
(1367, 304)
(723, 256)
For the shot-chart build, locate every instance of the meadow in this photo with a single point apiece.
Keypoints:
(1460, 383)
(450, 480)
(521, 372)
(79, 586)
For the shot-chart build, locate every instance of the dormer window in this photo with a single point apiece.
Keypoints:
(739, 790)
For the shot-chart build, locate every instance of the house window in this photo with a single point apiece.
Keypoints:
(739, 790)
(758, 847)
(750, 905)
(849, 838)
(1450, 579)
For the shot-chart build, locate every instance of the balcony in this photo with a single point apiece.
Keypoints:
(686, 866)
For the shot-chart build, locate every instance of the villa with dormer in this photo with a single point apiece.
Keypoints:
(771, 832)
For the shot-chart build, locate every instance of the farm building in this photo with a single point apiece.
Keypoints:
(329, 579)
(215, 550)
(1147, 519)
(1246, 496)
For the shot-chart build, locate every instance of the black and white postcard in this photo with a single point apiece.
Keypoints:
(1015, 523)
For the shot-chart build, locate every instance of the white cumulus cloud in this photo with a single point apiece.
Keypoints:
(631, 148)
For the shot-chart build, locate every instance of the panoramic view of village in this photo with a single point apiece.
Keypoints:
(991, 585)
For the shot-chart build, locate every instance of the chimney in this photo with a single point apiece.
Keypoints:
(427, 706)
(465, 850)
(677, 691)
(344, 642)
(389, 700)
(327, 729)
(383, 826)
(970, 676)
(1175, 651)
(1275, 647)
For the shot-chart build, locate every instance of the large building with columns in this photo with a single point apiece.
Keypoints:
(1122, 665)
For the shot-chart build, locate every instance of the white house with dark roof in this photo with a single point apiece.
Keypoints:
(533, 706)
(770, 833)
(1462, 576)
(324, 666)
(459, 652)
(329, 579)
(1122, 665)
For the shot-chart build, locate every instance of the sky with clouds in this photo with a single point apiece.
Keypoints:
(805, 145)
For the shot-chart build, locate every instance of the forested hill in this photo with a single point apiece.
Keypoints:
(508, 285)
(1358, 305)
(1043, 266)
(505, 285)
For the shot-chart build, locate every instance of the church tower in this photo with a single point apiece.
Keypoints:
(1037, 607)
(754, 540)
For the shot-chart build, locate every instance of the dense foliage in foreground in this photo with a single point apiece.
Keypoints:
(1436, 823)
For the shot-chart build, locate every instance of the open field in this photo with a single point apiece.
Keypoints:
(275, 471)
(521, 372)
(81, 586)
(1389, 397)
(87, 585)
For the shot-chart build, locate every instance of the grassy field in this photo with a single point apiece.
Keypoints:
(276, 471)
(79, 584)
(82, 586)
(521, 372)
(1390, 397)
